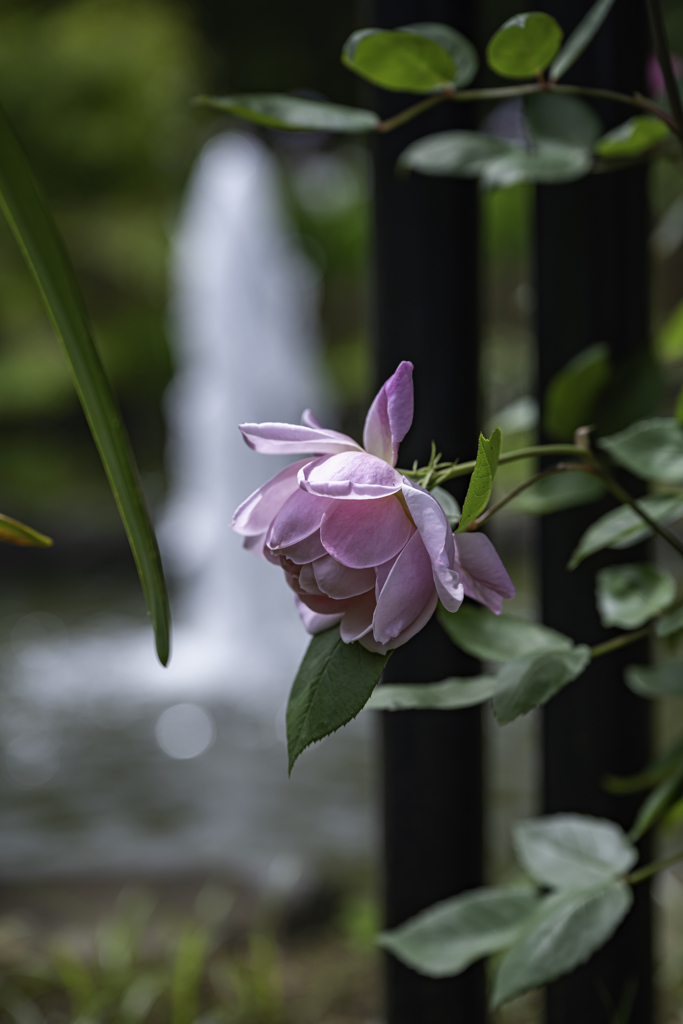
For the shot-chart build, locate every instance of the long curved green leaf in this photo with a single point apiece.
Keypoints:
(14, 532)
(43, 250)
(580, 38)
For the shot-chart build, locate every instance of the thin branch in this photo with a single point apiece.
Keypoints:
(623, 640)
(654, 11)
(409, 113)
(617, 97)
(465, 468)
(651, 869)
(622, 494)
(562, 467)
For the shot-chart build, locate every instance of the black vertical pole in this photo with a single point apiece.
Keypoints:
(592, 278)
(426, 311)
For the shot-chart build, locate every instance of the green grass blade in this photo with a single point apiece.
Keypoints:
(42, 247)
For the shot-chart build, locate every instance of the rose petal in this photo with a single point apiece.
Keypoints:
(255, 544)
(307, 581)
(292, 439)
(368, 641)
(257, 512)
(390, 415)
(408, 588)
(338, 581)
(306, 550)
(313, 621)
(363, 534)
(431, 521)
(351, 475)
(309, 420)
(299, 517)
(483, 575)
(357, 621)
(449, 587)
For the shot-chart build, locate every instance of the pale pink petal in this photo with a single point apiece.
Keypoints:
(323, 605)
(381, 573)
(369, 642)
(408, 588)
(292, 439)
(431, 521)
(309, 420)
(437, 535)
(307, 550)
(299, 517)
(357, 621)
(351, 475)
(257, 512)
(390, 415)
(338, 581)
(313, 621)
(484, 576)
(363, 534)
(307, 581)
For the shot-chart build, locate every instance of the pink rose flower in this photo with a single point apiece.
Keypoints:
(359, 544)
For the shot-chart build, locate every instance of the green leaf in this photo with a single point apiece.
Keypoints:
(632, 138)
(14, 532)
(447, 937)
(572, 851)
(623, 527)
(445, 696)
(656, 680)
(548, 163)
(573, 392)
(43, 250)
(564, 932)
(670, 340)
(491, 637)
(670, 623)
(529, 682)
(518, 417)
(332, 685)
(457, 46)
(293, 113)
(449, 505)
(187, 975)
(558, 492)
(651, 449)
(399, 60)
(678, 410)
(562, 119)
(658, 802)
(579, 39)
(481, 481)
(524, 46)
(630, 595)
(452, 154)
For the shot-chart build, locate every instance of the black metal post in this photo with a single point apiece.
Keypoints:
(426, 311)
(592, 278)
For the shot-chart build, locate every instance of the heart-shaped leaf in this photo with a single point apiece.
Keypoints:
(399, 60)
(670, 623)
(445, 696)
(632, 138)
(481, 481)
(562, 119)
(564, 932)
(656, 680)
(525, 45)
(457, 46)
(548, 163)
(630, 595)
(452, 154)
(332, 685)
(651, 449)
(530, 682)
(490, 637)
(293, 113)
(623, 527)
(579, 39)
(573, 851)
(447, 937)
